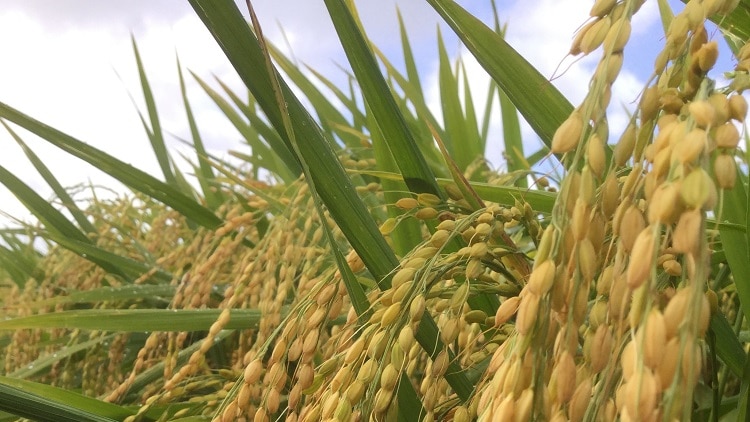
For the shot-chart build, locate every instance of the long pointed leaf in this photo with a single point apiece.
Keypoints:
(540, 103)
(45, 403)
(125, 173)
(155, 134)
(417, 174)
(204, 174)
(132, 320)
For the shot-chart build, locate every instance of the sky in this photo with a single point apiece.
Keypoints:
(70, 64)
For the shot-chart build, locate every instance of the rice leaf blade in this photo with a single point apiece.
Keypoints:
(125, 173)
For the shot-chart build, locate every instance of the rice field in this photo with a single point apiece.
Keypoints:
(384, 270)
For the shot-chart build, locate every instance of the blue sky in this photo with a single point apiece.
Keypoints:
(70, 64)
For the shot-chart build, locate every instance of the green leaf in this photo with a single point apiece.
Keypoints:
(110, 294)
(328, 114)
(735, 243)
(408, 232)
(409, 62)
(737, 22)
(417, 174)
(538, 101)
(155, 134)
(204, 172)
(52, 181)
(728, 347)
(59, 228)
(132, 320)
(277, 156)
(44, 403)
(45, 362)
(125, 173)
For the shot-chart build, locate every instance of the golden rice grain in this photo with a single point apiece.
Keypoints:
(672, 267)
(697, 189)
(402, 276)
(601, 348)
(416, 308)
(602, 7)
(458, 298)
(579, 220)
(629, 360)
(668, 366)
(523, 406)
(642, 393)
(706, 56)
(580, 400)
(624, 147)
(400, 293)
(737, 107)
(367, 371)
(691, 147)
(506, 310)
(568, 135)
(310, 343)
(389, 377)
(641, 258)
(725, 171)
(377, 345)
(617, 36)
(440, 237)
(391, 314)
(427, 213)
(355, 391)
(527, 313)
(474, 268)
(541, 278)
(449, 331)
(649, 104)
(721, 106)
(595, 155)
(587, 260)
(565, 374)
(664, 204)
(653, 338)
(440, 364)
(610, 194)
(632, 224)
(253, 371)
(428, 199)
(504, 410)
(478, 250)
(407, 203)
(727, 136)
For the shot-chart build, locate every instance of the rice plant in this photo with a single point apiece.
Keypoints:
(386, 272)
